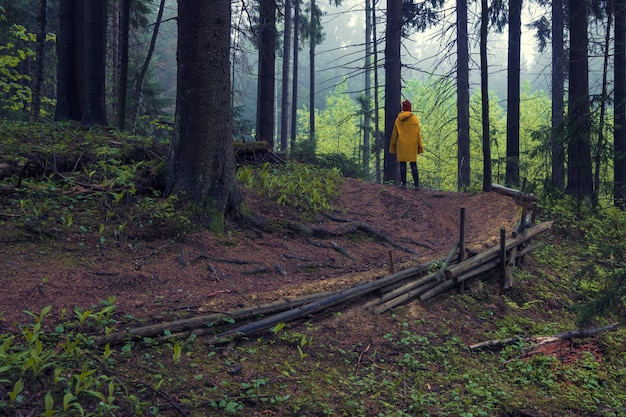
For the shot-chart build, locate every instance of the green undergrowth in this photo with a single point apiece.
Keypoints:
(413, 367)
(305, 187)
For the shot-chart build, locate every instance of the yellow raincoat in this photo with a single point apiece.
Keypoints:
(406, 138)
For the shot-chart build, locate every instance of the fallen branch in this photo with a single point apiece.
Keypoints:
(513, 193)
(539, 341)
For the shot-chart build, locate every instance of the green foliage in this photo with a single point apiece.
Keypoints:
(80, 183)
(58, 372)
(305, 187)
(595, 259)
(14, 81)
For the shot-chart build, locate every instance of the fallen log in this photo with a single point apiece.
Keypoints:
(539, 341)
(511, 192)
(207, 321)
(200, 325)
(486, 256)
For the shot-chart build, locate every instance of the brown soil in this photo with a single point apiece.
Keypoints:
(152, 280)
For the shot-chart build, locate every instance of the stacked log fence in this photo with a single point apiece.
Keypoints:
(422, 281)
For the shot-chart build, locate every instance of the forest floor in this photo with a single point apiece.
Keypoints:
(204, 272)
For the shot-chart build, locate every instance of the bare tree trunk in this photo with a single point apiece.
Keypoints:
(202, 162)
(144, 69)
(39, 64)
(312, 38)
(484, 88)
(463, 96)
(392, 81)
(294, 94)
(70, 56)
(603, 100)
(367, 115)
(513, 93)
(619, 162)
(267, 73)
(94, 109)
(284, 112)
(378, 138)
(123, 65)
(579, 175)
(558, 94)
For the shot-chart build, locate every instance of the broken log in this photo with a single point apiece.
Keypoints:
(513, 193)
(571, 334)
(486, 256)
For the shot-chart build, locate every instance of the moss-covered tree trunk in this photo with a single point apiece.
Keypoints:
(201, 162)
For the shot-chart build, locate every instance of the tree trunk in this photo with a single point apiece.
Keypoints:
(294, 89)
(619, 145)
(579, 176)
(201, 161)
(284, 102)
(463, 96)
(123, 68)
(367, 115)
(70, 61)
(266, 81)
(392, 81)
(378, 137)
(603, 102)
(94, 109)
(484, 88)
(39, 64)
(558, 94)
(312, 37)
(144, 68)
(513, 93)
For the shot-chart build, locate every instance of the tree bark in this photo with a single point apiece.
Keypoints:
(558, 94)
(146, 64)
(201, 162)
(312, 38)
(39, 64)
(619, 134)
(266, 80)
(513, 93)
(94, 109)
(484, 96)
(123, 69)
(284, 102)
(367, 95)
(70, 54)
(579, 175)
(392, 82)
(294, 87)
(463, 96)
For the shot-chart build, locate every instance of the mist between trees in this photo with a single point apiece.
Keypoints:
(348, 87)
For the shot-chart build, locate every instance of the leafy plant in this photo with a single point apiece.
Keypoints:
(305, 187)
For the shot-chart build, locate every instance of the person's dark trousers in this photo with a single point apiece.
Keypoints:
(416, 180)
